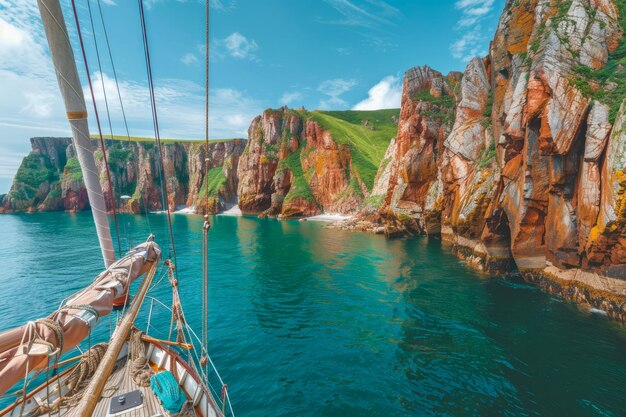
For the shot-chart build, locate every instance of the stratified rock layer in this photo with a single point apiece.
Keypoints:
(531, 171)
(519, 162)
(300, 163)
(50, 177)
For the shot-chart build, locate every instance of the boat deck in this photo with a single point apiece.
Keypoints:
(121, 382)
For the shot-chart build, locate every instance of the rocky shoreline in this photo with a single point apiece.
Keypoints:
(519, 162)
(587, 289)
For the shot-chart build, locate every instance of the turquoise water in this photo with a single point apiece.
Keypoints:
(306, 321)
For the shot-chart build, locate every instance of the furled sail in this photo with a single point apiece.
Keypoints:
(32, 345)
(76, 110)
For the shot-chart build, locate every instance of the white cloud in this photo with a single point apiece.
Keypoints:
(189, 59)
(222, 4)
(473, 41)
(290, 97)
(473, 10)
(334, 89)
(109, 2)
(180, 107)
(231, 112)
(387, 94)
(237, 46)
(472, 44)
(10, 36)
(31, 105)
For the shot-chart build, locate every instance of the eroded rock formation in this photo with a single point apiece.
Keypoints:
(519, 162)
(300, 163)
(531, 173)
(50, 177)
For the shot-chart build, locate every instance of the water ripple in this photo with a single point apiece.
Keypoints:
(306, 321)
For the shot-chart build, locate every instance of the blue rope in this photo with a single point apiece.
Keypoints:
(167, 390)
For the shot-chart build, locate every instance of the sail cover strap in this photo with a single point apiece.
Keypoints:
(66, 327)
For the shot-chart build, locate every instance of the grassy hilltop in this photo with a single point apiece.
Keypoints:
(367, 133)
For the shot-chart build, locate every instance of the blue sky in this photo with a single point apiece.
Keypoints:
(330, 54)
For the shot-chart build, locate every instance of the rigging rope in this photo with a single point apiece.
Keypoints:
(104, 91)
(205, 283)
(206, 111)
(95, 109)
(155, 120)
(207, 225)
(117, 86)
(119, 96)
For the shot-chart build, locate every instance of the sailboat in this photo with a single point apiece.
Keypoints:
(133, 373)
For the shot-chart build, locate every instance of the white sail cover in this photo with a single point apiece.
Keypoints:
(29, 347)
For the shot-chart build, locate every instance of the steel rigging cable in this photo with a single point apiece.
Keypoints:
(207, 225)
(119, 96)
(95, 109)
(155, 121)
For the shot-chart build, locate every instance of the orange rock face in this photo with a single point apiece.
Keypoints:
(426, 117)
(531, 168)
(293, 167)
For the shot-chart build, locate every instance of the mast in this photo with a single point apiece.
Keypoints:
(72, 92)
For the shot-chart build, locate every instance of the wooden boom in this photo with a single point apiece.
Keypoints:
(100, 377)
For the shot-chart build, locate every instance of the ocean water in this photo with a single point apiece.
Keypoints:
(307, 321)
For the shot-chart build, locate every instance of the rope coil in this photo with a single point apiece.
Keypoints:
(139, 369)
(79, 377)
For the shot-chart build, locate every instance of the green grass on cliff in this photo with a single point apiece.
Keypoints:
(300, 187)
(35, 170)
(368, 144)
(445, 100)
(611, 78)
(444, 110)
(215, 180)
(72, 169)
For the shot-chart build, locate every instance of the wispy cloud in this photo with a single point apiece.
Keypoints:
(473, 41)
(30, 98)
(180, 105)
(386, 94)
(369, 14)
(189, 58)
(31, 104)
(470, 45)
(473, 10)
(222, 4)
(371, 19)
(334, 89)
(235, 45)
(214, 4)
(290, 97)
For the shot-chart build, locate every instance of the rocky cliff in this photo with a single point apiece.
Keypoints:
(300, 163)
(522, 160)
(517, 163)
(50, 178)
